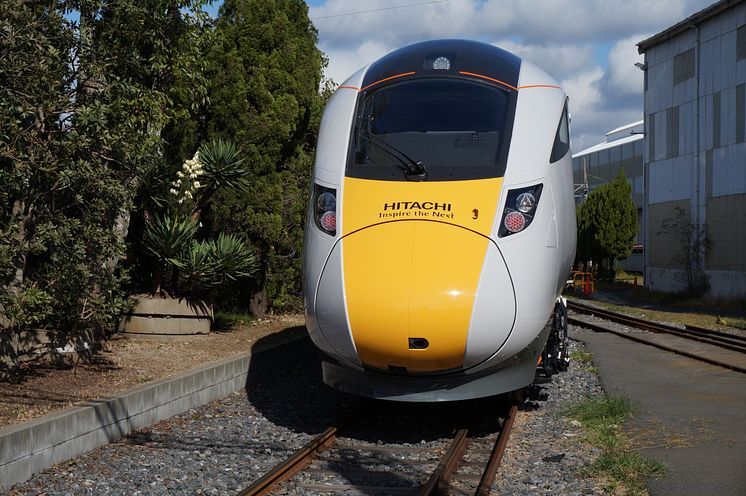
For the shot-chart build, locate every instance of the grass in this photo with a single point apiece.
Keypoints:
(676, 308)
(225, 320)
(622, 467)
(585, 359)
(732, 322)
(623, 285)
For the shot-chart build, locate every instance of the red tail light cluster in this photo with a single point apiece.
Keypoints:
(325, 209)
(520, 208)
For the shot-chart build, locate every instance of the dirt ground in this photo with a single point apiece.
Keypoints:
(128, 362)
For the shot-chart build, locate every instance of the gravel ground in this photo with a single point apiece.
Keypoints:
(545, 455)
(222, 447)
(217, 449)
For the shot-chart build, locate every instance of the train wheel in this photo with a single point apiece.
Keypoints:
(559, 357)
(555, 357)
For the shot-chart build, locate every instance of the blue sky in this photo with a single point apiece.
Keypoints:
(588, 46)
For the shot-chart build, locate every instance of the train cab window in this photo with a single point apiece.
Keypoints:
(453, 128)
(562, 138)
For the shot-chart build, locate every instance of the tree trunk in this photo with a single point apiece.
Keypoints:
(122, 225)
(23, 216)
(258, 301)
(258, 291)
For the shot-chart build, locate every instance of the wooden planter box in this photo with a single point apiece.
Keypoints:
(170, 316)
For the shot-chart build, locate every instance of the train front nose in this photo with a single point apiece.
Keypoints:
(410, 289)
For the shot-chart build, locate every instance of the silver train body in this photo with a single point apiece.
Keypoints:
(441, 225)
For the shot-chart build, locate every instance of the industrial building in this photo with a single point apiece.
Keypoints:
(695, 151)
(599, 164)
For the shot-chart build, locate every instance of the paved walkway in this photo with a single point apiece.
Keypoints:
(692, 415)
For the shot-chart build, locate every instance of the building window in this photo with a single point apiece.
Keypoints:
(651, 137)
(683, 66)
(638, 150)
(740, 111)
(716, 120)
(672, 132)
(741, 43)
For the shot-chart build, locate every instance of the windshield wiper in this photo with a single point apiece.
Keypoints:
(407, 164)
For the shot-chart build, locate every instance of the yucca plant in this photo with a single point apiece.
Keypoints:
(199, 266)
(208, 264)
(166, 238)
(235, 260)
(223, 168)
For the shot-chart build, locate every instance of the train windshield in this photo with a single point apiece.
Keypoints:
(446, 129)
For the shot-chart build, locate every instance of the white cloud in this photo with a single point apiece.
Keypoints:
(584, 91)
(594, 19)
(587, 45)
(396, 26)
(559, 61)
(533, 22)
(344, 63)
(623, 76)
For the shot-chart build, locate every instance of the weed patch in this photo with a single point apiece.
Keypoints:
(622, 466)
(227, 320)
(583, 357)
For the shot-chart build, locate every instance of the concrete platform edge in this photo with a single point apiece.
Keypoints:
(33, 446)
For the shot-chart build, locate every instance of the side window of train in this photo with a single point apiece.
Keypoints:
(561, 139)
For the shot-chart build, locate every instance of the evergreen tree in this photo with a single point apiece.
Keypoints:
(81, 106)
(264, 73)
(72, 139)
(607, 223)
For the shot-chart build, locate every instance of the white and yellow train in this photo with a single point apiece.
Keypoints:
(441, 226)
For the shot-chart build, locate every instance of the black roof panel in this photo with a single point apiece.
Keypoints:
(469, 56)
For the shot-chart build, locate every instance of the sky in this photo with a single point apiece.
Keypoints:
(588, 46)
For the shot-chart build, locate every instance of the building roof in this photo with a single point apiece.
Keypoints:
(610, 144)
(631, 125)
(617, 137)
(688, 23)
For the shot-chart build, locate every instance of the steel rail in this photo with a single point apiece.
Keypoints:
(715, 338)
(583, 308)
(297, 461)
(301, 458)
(704, 330)
(490, 471)
(439, 479)
(625, 335)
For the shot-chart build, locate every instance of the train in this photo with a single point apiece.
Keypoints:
(441, 226)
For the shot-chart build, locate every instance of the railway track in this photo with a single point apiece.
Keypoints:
(730, 342)
(332, 463)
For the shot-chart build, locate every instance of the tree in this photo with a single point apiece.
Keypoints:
(264, 74)
(65, 158)
(82, 107)
(607, 224)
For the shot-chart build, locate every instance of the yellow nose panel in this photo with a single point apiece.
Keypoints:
(414, 279)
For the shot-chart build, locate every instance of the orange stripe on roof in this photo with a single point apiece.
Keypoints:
(388, 79)
(540, 86)
(489, 79)
(528, 86)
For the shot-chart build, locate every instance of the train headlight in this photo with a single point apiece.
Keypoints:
(520, 208)
(526, 202)
(325, 209)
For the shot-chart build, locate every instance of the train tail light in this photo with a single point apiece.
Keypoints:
(325, 209)
(520, 209)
